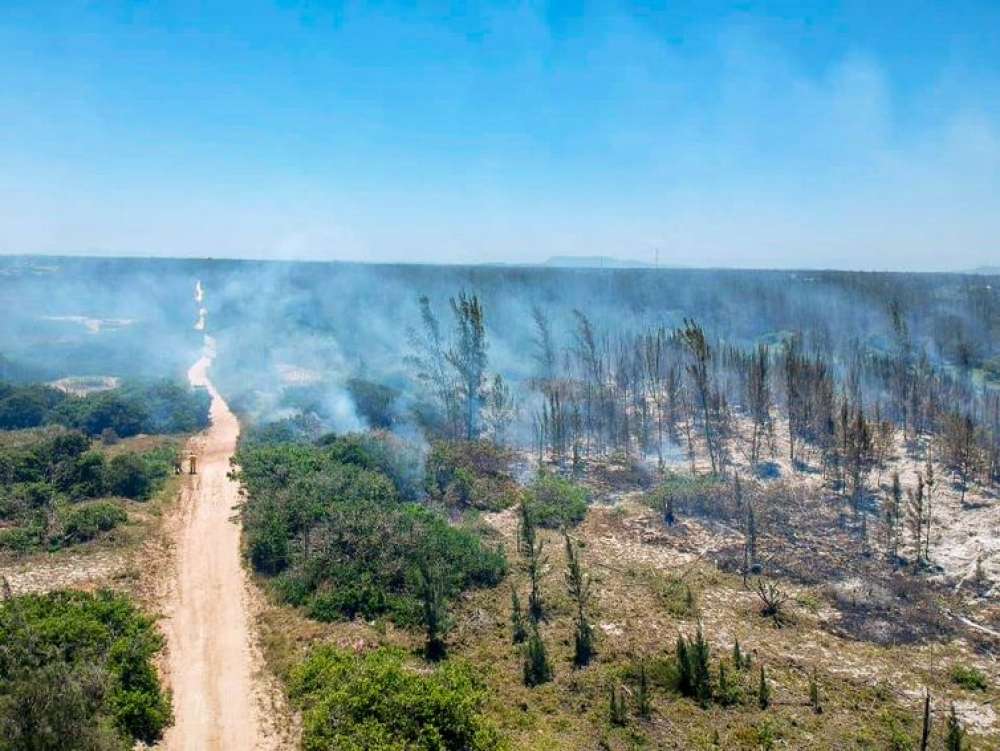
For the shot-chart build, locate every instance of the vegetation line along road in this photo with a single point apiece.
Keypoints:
(208, 632)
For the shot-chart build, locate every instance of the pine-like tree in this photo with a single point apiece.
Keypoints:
(893, 511)
(737, 656)
(642, 694)
(698, 654)
(763, 690)
(578, 585)
(814, 700)
(925, 731)
(617, 712)
(685, 681)
(530, 547)
(537, 669)
(517, 618)
(468, 357)
(955, 740)
(724, 692)
(435, 609)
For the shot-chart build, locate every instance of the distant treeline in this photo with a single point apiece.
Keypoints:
(139, 407)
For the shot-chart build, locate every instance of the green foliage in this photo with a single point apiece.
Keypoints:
(682, 492)
(470, 474)
(698, 654)
(955, 738)
(741, 660)
(374, 546)
(156, 407)
(555, 502)
(85, 521)
(578, 586)
(520, 631)
(20, 539)
(27, 406)
(436, 619)
(692, 657)
(763, 690)
(380, 452)
(531, 548)
(45, 473)
(814, 700)
(969, 678)
(375, 702)
(127, 476)
(617, 711)
(153, 408)
(685, 677)
(78, 666)
(537, 668)
(642, 694)
(727, 692)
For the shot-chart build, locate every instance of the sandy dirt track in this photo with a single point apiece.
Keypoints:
(211, 660)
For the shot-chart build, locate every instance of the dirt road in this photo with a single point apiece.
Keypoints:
(211, 661)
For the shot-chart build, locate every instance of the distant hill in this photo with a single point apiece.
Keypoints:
(596, 262)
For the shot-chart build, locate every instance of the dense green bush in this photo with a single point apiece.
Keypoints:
(969, 677)
(340, 541)
(169, 407)
(27, 406)
(555, 502)
(50, 470)
(153, 407)
(127, 475)
(76, 671)
(86, 520)
(375, 702)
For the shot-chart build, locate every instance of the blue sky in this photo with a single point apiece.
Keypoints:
(787, 134)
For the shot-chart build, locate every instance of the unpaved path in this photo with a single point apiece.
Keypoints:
(211, 658)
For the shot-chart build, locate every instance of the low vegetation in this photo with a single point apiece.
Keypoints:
(378, 702)
(76, 670)
(58, 487)
(339, 538)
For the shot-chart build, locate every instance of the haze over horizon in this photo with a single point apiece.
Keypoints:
(753, 134)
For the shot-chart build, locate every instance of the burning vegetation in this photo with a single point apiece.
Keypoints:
(605, 509)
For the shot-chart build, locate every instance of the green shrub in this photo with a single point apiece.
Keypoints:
(555, 502)
(373, 544)
(135, 476)
(76, 670)
(85, 521)
(20, 539)
(689, 494)
(470, 474)
(969, 678)
(375, 702)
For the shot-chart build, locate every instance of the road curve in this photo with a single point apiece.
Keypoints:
(210, 661)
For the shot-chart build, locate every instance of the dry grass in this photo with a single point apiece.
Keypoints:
(871, 693)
